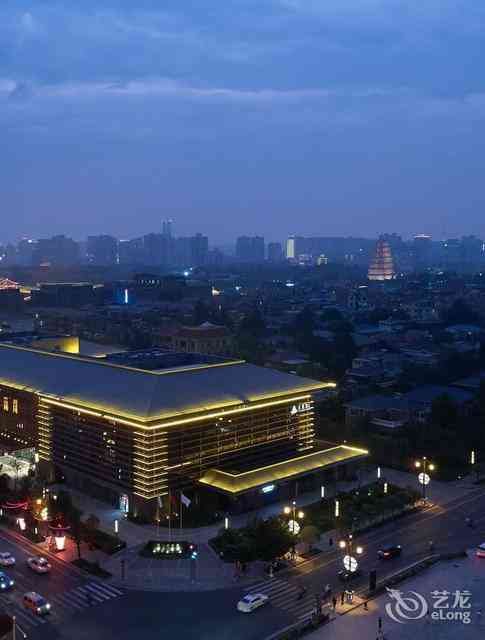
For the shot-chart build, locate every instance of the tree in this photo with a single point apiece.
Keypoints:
(253, 324)
(16, 465)
(460, 312)
(444, 412)
(72, 515)
(304, 322)
(201, 312)
(309, 535)
(331, 315)
(64, 502)
(271, 539)
(4, 482)
(74, 520)
(92, 524)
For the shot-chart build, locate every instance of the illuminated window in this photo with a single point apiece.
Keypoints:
(15, 406)
(5, 403)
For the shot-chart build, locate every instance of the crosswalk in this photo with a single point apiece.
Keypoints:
(63, 604)
(284, 595)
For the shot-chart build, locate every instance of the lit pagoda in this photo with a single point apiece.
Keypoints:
(382, 265)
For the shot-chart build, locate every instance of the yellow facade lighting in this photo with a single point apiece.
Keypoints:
(181, 421)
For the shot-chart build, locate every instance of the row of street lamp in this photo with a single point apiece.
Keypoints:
(350, 562)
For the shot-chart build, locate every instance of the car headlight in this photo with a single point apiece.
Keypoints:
(47, 606)
(38, 609)
(12, 583)
(3, 585)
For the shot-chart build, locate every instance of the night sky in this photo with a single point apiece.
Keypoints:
(321, 117)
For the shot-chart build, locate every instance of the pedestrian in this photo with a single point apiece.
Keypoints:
(366, 608)
(334, 602)
(330, 542)
(379, 624)
(342, 598)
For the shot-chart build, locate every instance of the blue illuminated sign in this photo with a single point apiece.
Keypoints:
(268, 488)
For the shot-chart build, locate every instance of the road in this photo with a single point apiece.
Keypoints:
(69, 592)
(212, 615)
(444, 525)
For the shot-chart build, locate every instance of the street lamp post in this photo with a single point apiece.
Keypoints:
(293, 524)
(350, 561)
(424, 466)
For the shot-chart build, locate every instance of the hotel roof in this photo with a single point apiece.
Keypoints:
(145, 395)
(234, 483)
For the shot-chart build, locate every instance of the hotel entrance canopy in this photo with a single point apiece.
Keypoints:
(235, 483)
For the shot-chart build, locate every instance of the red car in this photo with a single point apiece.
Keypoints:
(393, 551)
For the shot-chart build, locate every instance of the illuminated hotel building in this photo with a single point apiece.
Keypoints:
(136, 426)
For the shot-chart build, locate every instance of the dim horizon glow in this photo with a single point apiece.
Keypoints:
(276, 117)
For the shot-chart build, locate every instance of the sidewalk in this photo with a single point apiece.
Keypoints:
(447, 579)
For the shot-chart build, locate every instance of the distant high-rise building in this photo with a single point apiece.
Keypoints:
(382, 265)
(167, 228)
(422, 248)
(192, 251)
(57, 251)
(131, 251)
(199, 250)
(250, 249)
(275, 252)
(291, 248)
(102, 250)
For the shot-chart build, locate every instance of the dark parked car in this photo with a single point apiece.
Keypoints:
(392, 551)
(346, 576)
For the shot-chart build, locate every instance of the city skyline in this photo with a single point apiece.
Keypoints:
(336, 120)
(230, 241)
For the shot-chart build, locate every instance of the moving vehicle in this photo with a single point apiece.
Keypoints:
(392, 551)
(252, 601)
(481, 550)
(36, 603)
(6, 559)
(39, 564)
(6, 581)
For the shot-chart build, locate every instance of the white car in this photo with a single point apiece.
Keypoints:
(7, 559)
(252, 601)
(39, 564)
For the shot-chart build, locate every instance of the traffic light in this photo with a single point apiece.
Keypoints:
(372, 580)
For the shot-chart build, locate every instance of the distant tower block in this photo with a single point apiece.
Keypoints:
(382, 265)
(167, 226)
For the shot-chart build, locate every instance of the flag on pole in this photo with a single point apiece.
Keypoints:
(185, 501)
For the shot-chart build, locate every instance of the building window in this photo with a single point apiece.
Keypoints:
(5, 403)
(15, 406)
